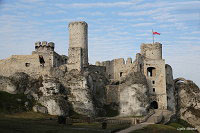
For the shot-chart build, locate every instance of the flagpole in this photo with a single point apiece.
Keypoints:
(153, 36)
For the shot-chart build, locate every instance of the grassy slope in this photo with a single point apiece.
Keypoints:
(169, 128)
(36, 122)
(15, 118)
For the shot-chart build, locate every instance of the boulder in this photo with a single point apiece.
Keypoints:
(40, 109)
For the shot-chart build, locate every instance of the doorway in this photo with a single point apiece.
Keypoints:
(154, 105)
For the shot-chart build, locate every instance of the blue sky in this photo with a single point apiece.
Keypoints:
(116, 28)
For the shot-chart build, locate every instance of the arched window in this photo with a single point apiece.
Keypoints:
(151, 71)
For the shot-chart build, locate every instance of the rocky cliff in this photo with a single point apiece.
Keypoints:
(133, 95)
(188, 101)
(60, 91)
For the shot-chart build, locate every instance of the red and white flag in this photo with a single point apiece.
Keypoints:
(154, 33)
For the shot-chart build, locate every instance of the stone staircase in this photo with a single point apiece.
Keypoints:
(167, 116)
(160, 116)
(155, 118)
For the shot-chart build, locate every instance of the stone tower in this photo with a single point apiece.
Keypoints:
(78, 43)
(152, 51)
(154, 70)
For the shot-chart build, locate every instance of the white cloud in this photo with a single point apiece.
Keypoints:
(93, 13)
(99, 4)
(142, 24)
(145, 34)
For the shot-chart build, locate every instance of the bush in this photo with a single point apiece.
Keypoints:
(13, 103)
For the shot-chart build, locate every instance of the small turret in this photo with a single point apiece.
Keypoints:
(44, 46)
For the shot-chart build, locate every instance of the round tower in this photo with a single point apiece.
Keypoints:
(152, 51)
(78, 37)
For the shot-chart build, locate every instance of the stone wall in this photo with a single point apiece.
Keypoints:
(20, 63)
(117, 68)
(97, 69)
(30, 64)
(75, 59)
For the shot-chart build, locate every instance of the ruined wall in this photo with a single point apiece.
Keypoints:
(78, 37)
(97, 69)
(118, 68)
(109, 67)
(30, 64)
(22, 63)
(59, 60)
(170, 88)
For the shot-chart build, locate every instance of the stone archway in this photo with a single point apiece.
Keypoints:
(154, 105)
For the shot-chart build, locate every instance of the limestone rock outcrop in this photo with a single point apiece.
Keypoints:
(188, 101)
(52, 95)
(133, 99)
(79, 94)
(97, 81)
(6, 84)
(55, 105)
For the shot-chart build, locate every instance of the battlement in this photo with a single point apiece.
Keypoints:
(77, 22)
(44, 46)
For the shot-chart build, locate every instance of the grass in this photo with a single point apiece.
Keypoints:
(173, 127)
(36, 122)
(27, 115)
(159, 128)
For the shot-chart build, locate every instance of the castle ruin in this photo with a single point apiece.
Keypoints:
(149, 62)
